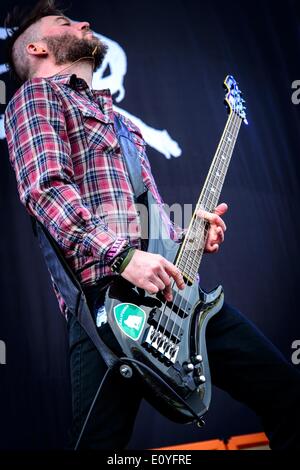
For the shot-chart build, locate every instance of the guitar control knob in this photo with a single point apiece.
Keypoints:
(188, 367)
(200, 379)
(197, 359)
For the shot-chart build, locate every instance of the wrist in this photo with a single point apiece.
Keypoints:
(127, 259)
(120, 262)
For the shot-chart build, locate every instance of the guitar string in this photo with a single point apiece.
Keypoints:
(203, 233)
(230, 148)
(185, 242)
(200, 222)
(201, 226)
(192, 224)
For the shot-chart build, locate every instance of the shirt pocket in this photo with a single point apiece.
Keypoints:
(98, 130)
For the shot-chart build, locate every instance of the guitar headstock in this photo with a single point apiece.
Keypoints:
(233, 98)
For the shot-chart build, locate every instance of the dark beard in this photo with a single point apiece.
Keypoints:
(67, 48)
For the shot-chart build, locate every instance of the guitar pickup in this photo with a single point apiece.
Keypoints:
(166, 323)
(178, 305)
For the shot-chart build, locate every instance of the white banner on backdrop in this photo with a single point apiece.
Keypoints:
(116, 61)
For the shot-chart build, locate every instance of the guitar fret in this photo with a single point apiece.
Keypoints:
(193, 247)
(189, 263)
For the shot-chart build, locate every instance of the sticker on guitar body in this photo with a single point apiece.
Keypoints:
(130, 319)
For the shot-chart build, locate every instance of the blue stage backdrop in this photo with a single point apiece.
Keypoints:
(165, 66)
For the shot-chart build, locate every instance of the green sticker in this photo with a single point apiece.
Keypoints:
(130, 319)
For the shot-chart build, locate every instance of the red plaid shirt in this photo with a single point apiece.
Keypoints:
(70, 172)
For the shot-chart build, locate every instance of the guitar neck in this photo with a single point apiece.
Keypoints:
(191, 251)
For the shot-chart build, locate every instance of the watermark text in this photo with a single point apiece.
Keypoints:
(296, 353)
(2, 352)
(2, 92)
(296, 93)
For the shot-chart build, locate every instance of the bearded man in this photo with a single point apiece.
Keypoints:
(64, 149)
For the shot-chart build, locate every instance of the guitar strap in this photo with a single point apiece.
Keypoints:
(64, 278)
(131, 157)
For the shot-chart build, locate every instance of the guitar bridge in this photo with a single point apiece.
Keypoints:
(160, 343)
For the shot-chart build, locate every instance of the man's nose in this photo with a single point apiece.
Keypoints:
(83, 25)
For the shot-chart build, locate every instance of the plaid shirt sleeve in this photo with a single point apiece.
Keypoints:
(40, 154)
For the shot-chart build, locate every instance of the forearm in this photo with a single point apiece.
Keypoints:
(75, 228)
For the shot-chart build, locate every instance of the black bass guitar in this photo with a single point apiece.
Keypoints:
(164, 342)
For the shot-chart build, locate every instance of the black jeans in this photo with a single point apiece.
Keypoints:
(243, 362)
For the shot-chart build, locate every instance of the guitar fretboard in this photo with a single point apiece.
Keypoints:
(190, 254)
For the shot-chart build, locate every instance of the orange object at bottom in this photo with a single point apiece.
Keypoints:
(257, 441)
